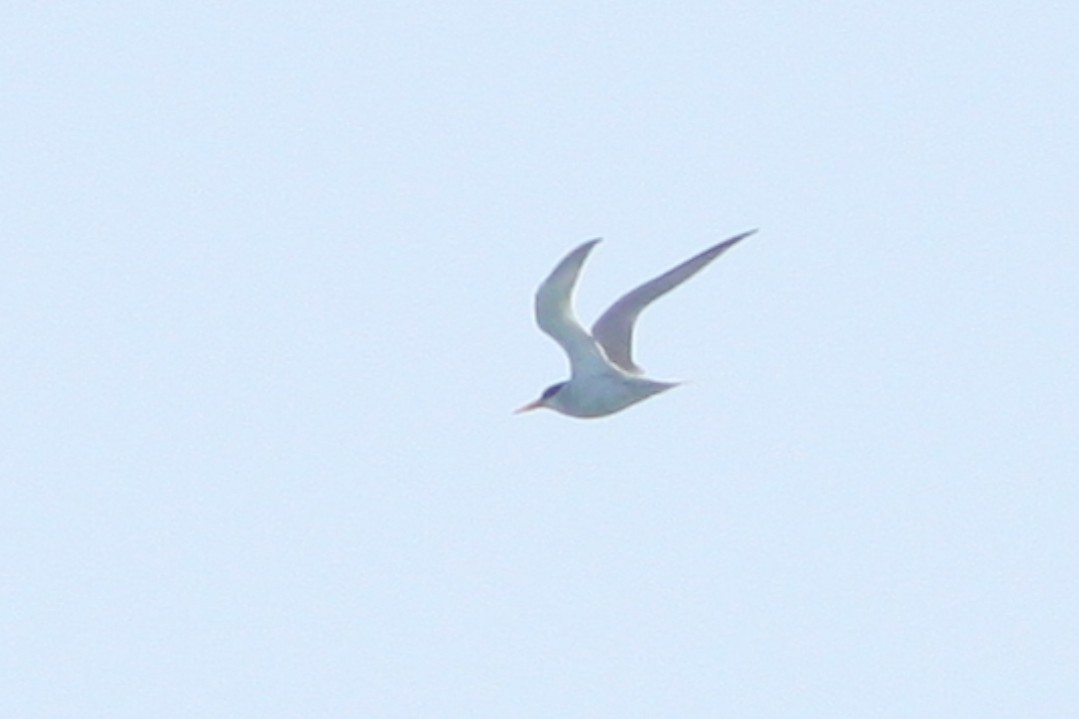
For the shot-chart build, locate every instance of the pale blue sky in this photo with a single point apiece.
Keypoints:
(267, 274)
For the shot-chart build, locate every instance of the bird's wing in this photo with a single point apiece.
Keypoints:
(554, 315)
(614, 330)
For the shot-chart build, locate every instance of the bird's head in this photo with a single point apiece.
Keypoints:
(544, 400)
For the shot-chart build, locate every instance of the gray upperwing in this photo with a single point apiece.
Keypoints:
(555, 316)
(614, 329)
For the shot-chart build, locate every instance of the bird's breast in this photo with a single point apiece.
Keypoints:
(606, 394)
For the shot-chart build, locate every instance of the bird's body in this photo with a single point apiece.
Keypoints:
(603, 394)
(604, 379)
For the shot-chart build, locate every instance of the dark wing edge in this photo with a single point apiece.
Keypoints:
(614, 329)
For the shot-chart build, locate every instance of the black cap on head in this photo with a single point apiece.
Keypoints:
(551, 391)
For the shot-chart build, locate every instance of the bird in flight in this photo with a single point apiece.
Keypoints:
(603, 377)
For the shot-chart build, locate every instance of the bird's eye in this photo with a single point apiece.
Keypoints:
(552, 390)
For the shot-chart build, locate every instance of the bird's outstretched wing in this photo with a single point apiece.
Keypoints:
(554, 315)
(614, 329)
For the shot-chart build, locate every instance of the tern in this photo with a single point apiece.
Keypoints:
(603, 377)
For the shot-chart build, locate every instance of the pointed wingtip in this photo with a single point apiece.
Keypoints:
(730, 242)
(587, 245)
